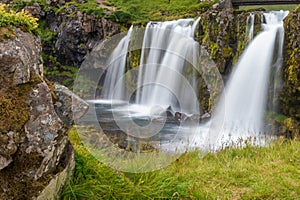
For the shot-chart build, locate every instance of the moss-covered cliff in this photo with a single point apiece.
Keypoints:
(289, 99)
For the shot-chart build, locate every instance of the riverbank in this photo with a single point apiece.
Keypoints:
(271, 172)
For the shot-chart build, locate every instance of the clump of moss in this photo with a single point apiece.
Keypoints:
(13, 110)
(292, 127)
(20, 19)
(14, 105)
(6, 33)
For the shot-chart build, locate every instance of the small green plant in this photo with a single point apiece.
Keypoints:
(22, 19)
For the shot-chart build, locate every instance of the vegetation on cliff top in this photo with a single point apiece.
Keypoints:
(269, 172)
(22, 19)
(145, 10)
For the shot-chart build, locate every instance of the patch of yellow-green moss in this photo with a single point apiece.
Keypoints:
(6, 33)
(14, 105)
(21, 19)
(293, 127)
(134, 58)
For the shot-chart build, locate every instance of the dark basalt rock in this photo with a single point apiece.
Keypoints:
(35, 10)
(76, 35)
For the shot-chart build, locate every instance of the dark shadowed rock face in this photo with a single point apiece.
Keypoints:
(76, 35)
(33, 140)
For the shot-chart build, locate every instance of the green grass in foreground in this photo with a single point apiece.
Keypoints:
(271, 172)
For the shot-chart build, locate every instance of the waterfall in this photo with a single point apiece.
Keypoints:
(276, 79)
(250, 25)
(114, 83)
(166, 46)
(242, 108)
(166, 51)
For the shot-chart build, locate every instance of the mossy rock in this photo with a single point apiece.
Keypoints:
(290, 96)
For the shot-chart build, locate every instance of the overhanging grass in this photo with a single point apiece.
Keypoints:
(248, 173)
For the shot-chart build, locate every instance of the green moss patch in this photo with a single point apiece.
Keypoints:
(6, 33)
(20, 19)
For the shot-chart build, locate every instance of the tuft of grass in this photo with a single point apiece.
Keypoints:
(270, 172)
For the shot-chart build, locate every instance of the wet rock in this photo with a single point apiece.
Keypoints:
(205, 117)
(169, 112)
(69, 106)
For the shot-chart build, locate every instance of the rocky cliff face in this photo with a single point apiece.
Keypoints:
(34, 118)
(76, 35)
(290, 95)
(291, 66)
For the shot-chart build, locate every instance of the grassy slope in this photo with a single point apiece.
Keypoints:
(249, 173)
(161, 10)
(145, 10)
(269, 7)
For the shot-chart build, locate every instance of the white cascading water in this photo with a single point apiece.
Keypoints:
(114, 83)
(277, 79)
(250, 26)
(166, 46)
(242, 107)
(165, 49)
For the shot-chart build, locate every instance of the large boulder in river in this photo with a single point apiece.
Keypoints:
(34, 148)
